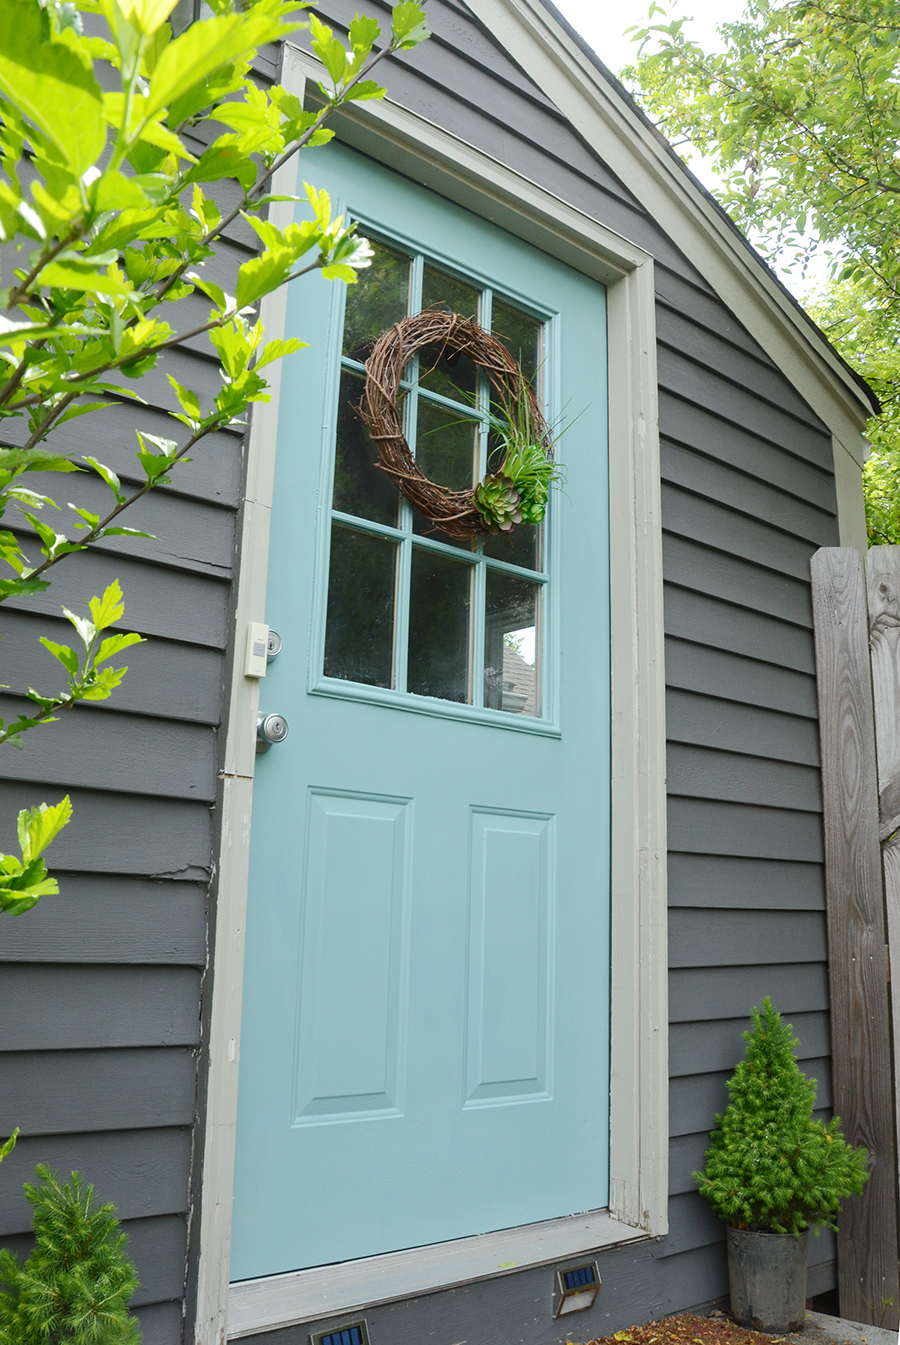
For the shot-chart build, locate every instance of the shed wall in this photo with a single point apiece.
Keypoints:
(101, 987)
(101, 991)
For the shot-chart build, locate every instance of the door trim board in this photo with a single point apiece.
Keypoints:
(639, 1005)
(325, 1291)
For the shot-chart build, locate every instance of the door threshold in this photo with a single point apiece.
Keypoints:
(324, 1291)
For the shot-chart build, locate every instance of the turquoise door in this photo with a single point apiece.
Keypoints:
(424, 1049)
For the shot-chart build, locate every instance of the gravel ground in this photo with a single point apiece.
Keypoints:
(685, 1329)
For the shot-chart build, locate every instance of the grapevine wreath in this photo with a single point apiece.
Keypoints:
(518, 492)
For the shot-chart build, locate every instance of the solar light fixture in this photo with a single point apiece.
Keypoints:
(577, 1288)
(354, 1334)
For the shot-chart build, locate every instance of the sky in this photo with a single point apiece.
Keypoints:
(602, 23)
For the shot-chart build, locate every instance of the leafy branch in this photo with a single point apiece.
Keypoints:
(107, 212)
(87, 679)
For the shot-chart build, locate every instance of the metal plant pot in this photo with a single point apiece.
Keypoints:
(767, 1278)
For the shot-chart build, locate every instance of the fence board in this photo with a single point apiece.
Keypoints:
(860, 1023)
(883, 585)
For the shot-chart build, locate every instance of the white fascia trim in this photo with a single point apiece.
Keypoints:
(546, 52)
(639, 1010)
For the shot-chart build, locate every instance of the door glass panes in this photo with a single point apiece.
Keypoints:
(359, 628)
(440, 602)
(359, 487)
(511, 629)
(520, 334)
(454, 374)
(410, 609)
(378, 300)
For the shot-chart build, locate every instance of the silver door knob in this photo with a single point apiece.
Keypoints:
(270, 729)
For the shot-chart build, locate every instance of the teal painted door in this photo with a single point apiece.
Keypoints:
(424, 1050)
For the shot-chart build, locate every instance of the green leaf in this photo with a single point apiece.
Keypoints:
(109, 476)
(146, 15)
(108, 609)
(221, 161)
(363, 33)
(66, 656)
(114, 191)
(34, 460)
(7, 1148)
(114, 644)
(126, 532)
(90, 520)
(103, 684)
(328, 49)
(22, 588)
(38, 826)
(51, 85)
(205, 48)
(75, 274)
(261, 275)
(340, 271)
(276, 350)
(408, 24)
(365, 89)
(84, 627)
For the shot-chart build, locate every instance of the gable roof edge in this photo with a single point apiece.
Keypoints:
(602, 112)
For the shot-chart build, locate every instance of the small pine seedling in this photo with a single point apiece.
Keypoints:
(75, 1286)
(770, 1167)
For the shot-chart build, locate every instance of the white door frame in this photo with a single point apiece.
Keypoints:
(639, 1008)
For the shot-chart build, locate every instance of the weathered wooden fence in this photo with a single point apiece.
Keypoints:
(856, 607)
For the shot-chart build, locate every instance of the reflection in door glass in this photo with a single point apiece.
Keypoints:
(453, 373)
(359, 630)
(360, 488)
(521, 334)
(378, 300)
(440, 602)
(446, 445)
(511, 644)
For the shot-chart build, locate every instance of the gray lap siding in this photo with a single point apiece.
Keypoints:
(101, 989)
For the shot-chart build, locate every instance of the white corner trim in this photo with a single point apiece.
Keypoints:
(308, 1295)
(639, 1043)
(639, 1058)
(850, 501)
(546, 52)
(217, 1184)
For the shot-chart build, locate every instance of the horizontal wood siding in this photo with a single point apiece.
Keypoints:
(101, 990)
(100, 987)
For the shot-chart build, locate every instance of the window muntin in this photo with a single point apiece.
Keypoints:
(431, 616)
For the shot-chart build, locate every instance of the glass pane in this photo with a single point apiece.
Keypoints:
(359, 486)
(446, 449)
(359, 633)
(446, 446)
(443, 291)
(440, 602)
(511, 644)
(378, 300)
(520, 333)
(451, 375)
(522, 546)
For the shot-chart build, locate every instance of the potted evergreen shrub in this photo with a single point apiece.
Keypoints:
(770, 1172)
